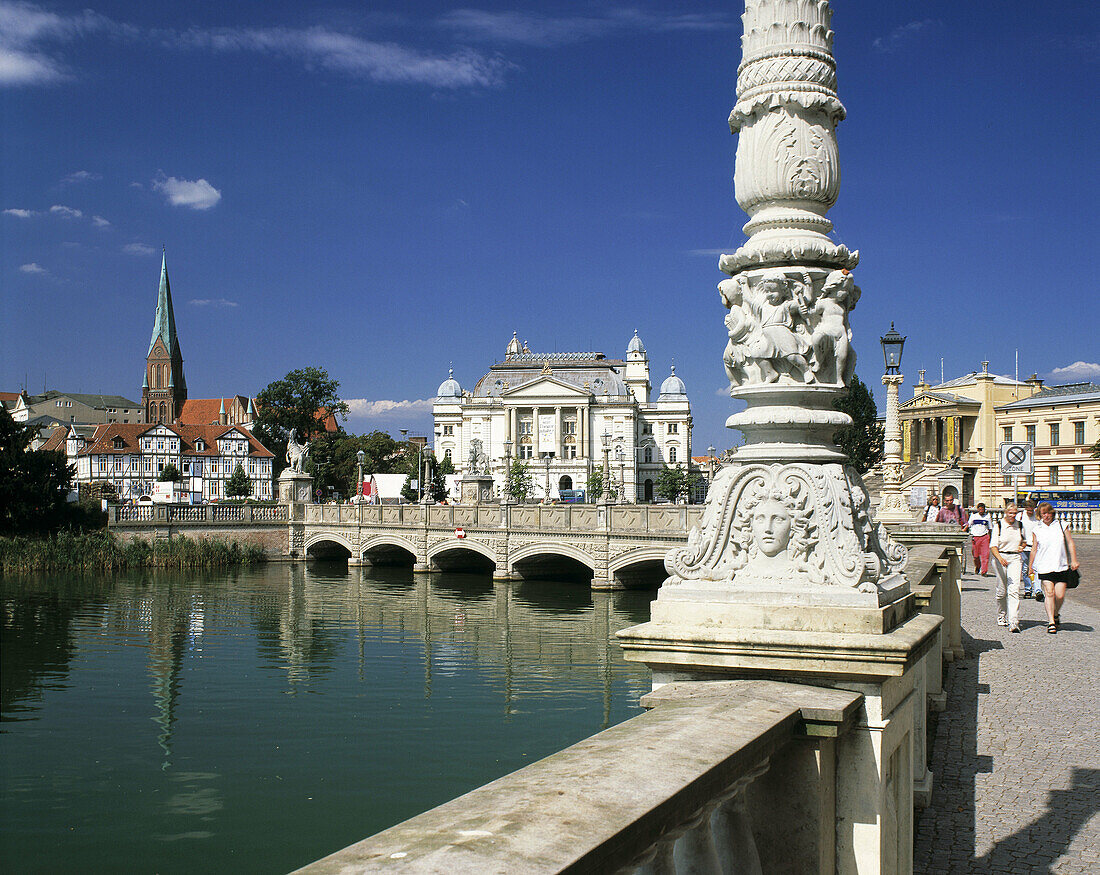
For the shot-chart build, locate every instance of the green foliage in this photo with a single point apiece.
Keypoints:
(446, 466)
(238, 485)
(519, 481)
(594, 484)
(102, 551)
(34, 485)
(169, 473)
(862, 441)
(295, 402)
(335, 467)
(407, 491)
(437, 485)
(674, 483)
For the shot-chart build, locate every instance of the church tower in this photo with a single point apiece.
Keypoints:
(637, 369)
(164, 389)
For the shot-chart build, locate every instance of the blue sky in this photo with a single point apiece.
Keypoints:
(385, 189)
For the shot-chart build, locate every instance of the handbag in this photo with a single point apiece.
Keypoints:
(1073, 575)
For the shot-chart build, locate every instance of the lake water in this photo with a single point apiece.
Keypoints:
(254, 721)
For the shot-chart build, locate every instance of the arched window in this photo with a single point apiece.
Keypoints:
(566, 482)
(163, 411)
(672, 455)
(647, 490)
(447, 455)
(649, 455)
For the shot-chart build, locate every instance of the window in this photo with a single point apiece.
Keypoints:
(525, 426)
(1006, 480)
(1029, 480)
(1007, 433)
(525, 450)
(448, 429)
(1078, 475)
(672, 455)
(647, 428)
(569, 447)
(674, 428)
(160, 445)
(1054, 434)
(1053, 479)
(569, 426)
(447, 455)
(1079, 433)
(1030, 429)
(649, 454)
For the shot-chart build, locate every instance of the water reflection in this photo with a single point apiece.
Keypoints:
(272, 699)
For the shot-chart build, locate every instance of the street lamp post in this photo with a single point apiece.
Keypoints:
(508, 472)
(547, 458)
(608, 495)
(622, 477)
(360, 457)
(892, 507)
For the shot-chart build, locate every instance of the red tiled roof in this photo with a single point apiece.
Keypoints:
(9, 396)
(56, 440)
(205, 411)
(130, 433)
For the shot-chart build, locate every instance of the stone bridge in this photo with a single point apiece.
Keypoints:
(613, 546)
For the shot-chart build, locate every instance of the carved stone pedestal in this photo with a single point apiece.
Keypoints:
(477, 489)
(295, 486)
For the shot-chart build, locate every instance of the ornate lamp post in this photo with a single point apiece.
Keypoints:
(360, 457)
(608, 494)
(892, 507)
(547, 458)
(622, 478)
(508, 497)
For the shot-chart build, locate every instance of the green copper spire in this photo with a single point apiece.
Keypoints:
(165, 325)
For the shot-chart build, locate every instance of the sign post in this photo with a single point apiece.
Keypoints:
(1016, 458)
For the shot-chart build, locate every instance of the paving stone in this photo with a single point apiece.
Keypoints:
(1015, 757)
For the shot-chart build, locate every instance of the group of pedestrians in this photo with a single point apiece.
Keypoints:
(1032, 554)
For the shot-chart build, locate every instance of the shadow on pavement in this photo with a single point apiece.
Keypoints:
(1036, 846)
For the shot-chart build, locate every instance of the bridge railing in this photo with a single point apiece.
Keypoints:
(719, 776)
(196, 514)
(655, 518)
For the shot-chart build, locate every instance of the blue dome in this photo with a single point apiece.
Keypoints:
(673, 388)
(635, 344)
(449, 388)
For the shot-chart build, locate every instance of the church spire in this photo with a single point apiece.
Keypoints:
(164, 388)
(164, 326)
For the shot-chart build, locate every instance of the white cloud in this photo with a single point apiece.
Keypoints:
(212, 302)
(362, 407)
(82, 176)
(354, 56)
(900, 35)
(65, 212)
(198, 194)
(545, 31)
(26, 30)
(32, 268)
(139, 249)
(100, 222)
(1077, 371)
(21, 214)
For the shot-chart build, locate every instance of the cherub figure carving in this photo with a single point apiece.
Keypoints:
(296, 453)
(834, 359)
(776, 348)
(739, 325)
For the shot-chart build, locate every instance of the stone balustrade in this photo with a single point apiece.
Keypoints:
(199, 514)
(724, 776)
(1083, 521)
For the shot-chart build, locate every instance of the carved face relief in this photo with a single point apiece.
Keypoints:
(771, 528)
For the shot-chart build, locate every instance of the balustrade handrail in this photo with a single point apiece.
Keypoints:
(623, 797)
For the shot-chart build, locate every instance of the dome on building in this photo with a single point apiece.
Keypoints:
(673, 388)
(513, 347)
(449, 388)
(635, 344)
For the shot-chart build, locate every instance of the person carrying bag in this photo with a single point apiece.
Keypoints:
(1054, 559)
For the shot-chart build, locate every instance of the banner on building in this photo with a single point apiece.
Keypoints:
(546, 432)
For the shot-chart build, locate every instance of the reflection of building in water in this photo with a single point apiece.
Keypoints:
(172, 616)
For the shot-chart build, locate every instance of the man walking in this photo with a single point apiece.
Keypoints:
(1029, 521)
(981, 527)
(951, 512)
(1007, 545)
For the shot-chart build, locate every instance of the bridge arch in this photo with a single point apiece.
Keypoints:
(388, 549)
(455, 554)
(641, 567)
(329, 545)
(551, 559)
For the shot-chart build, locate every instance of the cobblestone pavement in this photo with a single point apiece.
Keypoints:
(1016, 754)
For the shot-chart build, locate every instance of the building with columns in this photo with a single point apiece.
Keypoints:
(552, 410)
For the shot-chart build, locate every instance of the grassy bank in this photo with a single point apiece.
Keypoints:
(102, 551)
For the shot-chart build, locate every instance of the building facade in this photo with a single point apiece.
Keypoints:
(164, 389)
(75, 407)
(131, 457)
(1063, 424)
(563, 414)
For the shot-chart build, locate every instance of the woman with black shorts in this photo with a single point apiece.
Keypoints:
(1053, 554)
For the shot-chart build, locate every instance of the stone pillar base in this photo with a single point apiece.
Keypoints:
(421, 568)
(606, 583)
(295, 486)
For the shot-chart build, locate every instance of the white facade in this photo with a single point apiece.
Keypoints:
(556, 407)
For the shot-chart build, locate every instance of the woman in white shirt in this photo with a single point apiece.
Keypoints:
(1006, 546)
(1049, 559)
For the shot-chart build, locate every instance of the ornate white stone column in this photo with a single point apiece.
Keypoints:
(788, 576)
(892, 506)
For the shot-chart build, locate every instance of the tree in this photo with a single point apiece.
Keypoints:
(674, 483)
(437, 485)
(301, 400)
(446, 466)
(238, 485)
(334, 464)
(594, 484)
(862, 441)
(519, 481)
(407, 491)
(34, 484)
(169, 473)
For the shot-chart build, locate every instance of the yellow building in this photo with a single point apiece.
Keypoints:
(1063, 422)
(949, 432)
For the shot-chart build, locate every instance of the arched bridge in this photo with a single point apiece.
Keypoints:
(615, 546)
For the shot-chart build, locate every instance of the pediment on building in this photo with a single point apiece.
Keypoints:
(545, 387)
(929, 401)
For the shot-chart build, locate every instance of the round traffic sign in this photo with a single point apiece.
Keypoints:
(1016, 455)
